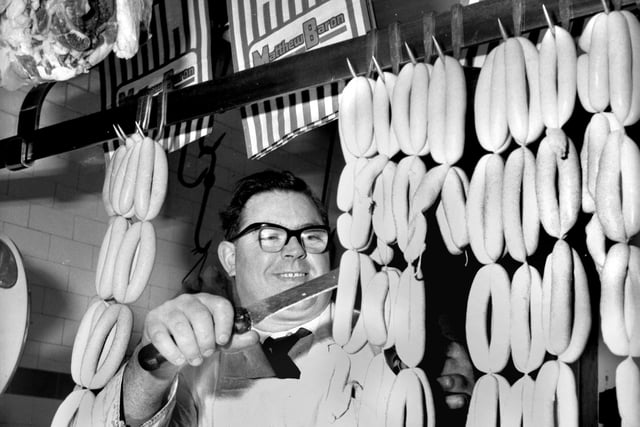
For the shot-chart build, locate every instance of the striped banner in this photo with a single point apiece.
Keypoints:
(475, 56)
(264, 31)
(179, 44)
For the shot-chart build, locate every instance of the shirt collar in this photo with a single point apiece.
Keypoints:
(312, 325)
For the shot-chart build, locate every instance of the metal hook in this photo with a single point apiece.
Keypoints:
(412, 57)
(438, 48)
(139, 128)
(120, 133)
(351, 69)
(378, 68)
(162, 108)
(371, 68)
(372, 44)
(547, 18)
(207, 178)
(503, 31)
(143, 113)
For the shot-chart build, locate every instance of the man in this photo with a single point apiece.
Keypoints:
(277, 237)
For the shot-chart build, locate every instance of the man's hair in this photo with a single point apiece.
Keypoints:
(261, 182)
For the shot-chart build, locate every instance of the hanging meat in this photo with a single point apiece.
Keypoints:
(55, 40)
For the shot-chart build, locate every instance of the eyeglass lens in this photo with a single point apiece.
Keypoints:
(273, 239)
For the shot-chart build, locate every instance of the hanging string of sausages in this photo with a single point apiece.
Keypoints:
(525, 93)
(134, 190)
(608, 82)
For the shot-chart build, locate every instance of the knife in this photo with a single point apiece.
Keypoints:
(245, 317)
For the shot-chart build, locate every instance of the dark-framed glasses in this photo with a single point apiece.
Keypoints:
(273, 237)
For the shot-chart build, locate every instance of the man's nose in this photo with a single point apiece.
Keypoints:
(293, 248)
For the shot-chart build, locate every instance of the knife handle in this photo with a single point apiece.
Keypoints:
(150, 358)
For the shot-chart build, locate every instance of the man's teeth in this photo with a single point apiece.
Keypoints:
(292, 275)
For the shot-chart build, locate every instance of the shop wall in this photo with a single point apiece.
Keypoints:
(54, 213)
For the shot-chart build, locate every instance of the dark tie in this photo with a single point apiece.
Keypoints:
(277, 352)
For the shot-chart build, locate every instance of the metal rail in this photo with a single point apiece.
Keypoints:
(461, 27)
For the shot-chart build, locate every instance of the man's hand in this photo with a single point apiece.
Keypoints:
(191, 327)
(457, 377)
(185, 330)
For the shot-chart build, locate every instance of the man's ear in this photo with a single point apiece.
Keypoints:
(227, 257)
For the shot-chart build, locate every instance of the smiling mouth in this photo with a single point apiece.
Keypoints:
(292, 275)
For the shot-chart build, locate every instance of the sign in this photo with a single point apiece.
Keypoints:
(263, 31)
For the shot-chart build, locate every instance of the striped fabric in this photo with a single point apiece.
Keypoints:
(263, 31)
(475, 55)
(179, 43)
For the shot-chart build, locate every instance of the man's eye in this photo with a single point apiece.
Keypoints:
(316, 236)
(270, 236)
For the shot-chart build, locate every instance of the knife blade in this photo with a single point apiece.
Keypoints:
(245, 317)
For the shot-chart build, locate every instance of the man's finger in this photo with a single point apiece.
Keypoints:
(162, 340)
(222, 312)
(202, 323)
(182, 333)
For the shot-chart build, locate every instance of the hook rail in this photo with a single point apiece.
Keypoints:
(302, 72)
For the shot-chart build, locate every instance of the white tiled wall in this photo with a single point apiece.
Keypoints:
(54, 213)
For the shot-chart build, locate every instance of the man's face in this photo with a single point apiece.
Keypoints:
(260, 274)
